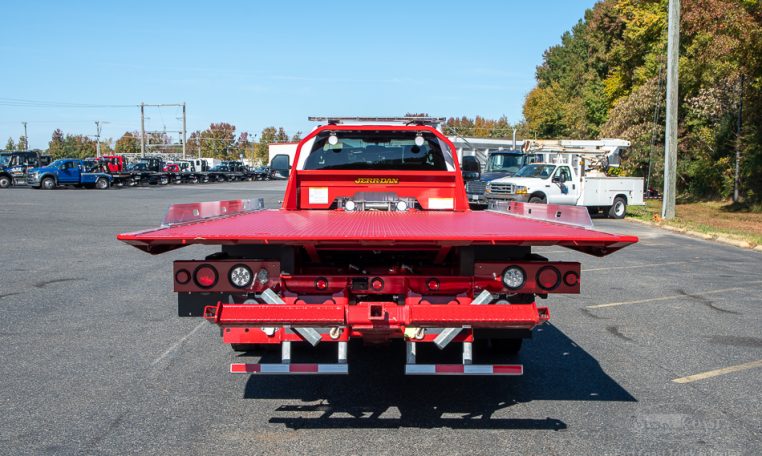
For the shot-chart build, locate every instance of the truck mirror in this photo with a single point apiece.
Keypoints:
(281, 164)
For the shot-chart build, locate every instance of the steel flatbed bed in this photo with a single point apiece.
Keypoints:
(413, 228)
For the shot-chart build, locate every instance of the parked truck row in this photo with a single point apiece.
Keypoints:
(38, 171)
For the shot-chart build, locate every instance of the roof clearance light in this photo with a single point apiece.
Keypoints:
(419, 139)
(241, 276)
(401, 206)
(513, 277)
(349, 205)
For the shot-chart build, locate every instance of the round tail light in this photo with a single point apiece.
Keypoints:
(205, 276)
(377, 284)
(571, 279)
(321, 283)
(241, 276)
(182, 277)
(513, 277)
(432, 284)
(548, 278)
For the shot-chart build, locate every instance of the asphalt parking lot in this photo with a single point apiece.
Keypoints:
(95, 360)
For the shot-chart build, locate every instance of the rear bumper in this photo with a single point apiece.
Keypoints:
(378, 316)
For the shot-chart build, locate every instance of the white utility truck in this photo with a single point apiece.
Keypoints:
(572, 172)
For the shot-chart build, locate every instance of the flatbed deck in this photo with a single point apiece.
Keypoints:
(369, 228)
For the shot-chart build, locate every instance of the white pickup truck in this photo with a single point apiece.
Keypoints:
(567, 183)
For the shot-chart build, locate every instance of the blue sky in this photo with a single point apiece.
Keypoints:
(256, 64)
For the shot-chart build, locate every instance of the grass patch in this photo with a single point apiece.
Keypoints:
(715, 218)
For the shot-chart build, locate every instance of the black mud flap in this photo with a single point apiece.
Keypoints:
(192, 304)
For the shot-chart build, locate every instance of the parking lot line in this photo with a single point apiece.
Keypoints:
(671, 263)
(716, 372)
(178, 343)
(666, 298)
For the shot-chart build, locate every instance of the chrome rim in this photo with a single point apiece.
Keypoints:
(619, 208)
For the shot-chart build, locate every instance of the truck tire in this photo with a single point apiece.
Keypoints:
(48, 183)
(618, 209)
(163, 180)
(537, 199)
(5, 181)
(101, 183)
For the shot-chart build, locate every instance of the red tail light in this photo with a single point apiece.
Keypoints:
(182, 277)
(321, 283)
(377, 284)
(205, 276)
(548, 278)
(571, 279)
(432, 284)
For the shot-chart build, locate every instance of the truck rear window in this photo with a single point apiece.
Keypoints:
(379, 150)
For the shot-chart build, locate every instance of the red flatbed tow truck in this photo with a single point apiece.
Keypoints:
(374, 240)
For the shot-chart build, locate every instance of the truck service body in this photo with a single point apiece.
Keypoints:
(374, 240)
(572, 173)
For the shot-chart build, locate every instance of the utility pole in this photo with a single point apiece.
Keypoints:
(184, 131)
(142, 129)
(26, 138)
(670, 141)
(98, 138)
(737, 177)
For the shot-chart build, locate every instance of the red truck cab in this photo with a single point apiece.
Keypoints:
(374, 240)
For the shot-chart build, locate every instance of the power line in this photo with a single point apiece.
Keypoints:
(20, 102)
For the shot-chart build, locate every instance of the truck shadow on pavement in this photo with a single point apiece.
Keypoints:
(376, 393)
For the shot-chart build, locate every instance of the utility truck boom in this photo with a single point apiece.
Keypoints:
(572, 172)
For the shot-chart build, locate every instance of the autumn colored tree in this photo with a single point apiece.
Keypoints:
(129, 143)
(267, 137)
(22, 144)
(56, 144)
(606, 78)
(70, 146)
(479, 127)
(219, 141)
(281, 136)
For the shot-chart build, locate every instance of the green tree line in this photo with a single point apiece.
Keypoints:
(606, 78)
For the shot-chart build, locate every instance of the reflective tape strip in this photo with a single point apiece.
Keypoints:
(243, 368)
(419, 369)
(464, 369)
